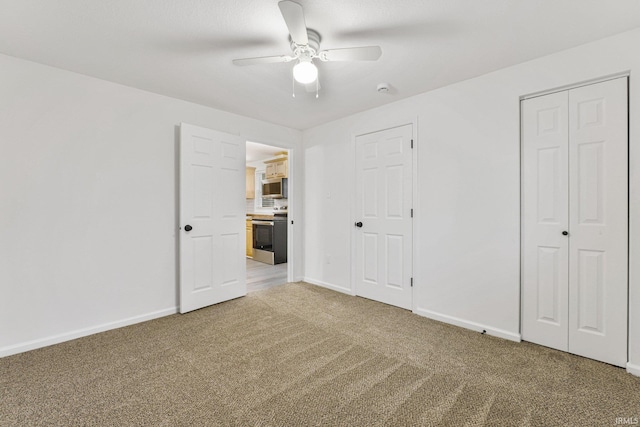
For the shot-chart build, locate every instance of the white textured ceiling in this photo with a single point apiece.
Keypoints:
(184, 48)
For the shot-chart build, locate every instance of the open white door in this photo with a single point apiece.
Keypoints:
(384, 205)
(212, 217)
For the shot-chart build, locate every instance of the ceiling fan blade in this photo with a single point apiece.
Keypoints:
(294, 18)
(365, 53)
(263, 60)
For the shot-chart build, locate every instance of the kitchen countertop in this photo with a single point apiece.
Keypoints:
(265, 215)
(259, 216)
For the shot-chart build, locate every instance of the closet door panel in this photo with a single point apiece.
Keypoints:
(598, 198)
(544, 217)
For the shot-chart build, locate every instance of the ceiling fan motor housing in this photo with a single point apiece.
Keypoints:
(311, 49)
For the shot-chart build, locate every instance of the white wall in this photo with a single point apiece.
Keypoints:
(88, 201)
(88, 184)
(467, 213)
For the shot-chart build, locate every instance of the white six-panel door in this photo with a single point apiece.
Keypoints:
(545, 215)
(212, 205)
(574, 221)
(383, 244)
(598, 197)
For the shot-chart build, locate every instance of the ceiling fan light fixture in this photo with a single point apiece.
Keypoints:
(305, 45)
(305, 72)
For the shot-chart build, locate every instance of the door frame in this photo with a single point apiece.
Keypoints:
(292, 204)
(381, 125)
(625, 74)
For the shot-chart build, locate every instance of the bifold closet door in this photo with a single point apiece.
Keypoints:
(574, 221)
(545, 191)
(598, 239)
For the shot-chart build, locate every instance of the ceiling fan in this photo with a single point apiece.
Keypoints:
(305, 44)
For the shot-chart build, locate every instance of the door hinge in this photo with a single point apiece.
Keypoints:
(412, 213)
(412, 282)
(412, 143)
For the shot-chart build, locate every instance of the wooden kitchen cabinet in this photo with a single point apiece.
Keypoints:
(270, 171)
(249, 239)
(281, 169)
(251, 183)
(276, 168)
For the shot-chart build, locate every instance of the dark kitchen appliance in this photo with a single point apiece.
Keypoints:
(275, 188)
(270, 240)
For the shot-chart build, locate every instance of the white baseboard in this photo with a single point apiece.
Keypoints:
(328, 286)
(633, 369)
(500, 333)
(79, 333)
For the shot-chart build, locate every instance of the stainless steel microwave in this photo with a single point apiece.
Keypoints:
(276, 188)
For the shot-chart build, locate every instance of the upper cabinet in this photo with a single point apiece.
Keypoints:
(277, 168)
(251, 183)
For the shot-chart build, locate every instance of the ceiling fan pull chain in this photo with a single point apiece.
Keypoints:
(293, 85)
(317, 87)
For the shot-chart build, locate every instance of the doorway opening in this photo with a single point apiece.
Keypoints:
(268, 198)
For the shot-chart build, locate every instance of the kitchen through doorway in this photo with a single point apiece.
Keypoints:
(267, 215)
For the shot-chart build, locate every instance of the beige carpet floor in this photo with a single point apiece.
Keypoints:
(300, 355)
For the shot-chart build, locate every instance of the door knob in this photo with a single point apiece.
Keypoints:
(188, 227)
(565, 233)
(358, 224)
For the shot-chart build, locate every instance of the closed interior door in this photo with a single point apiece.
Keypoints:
(212, 217)
(545, 267)
(575, 221)
(383, 224)
(598, 202)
